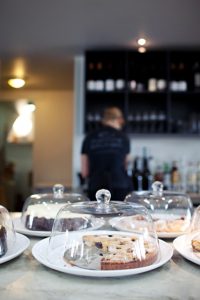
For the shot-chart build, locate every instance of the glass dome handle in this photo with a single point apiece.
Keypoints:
(58, 191)
(103, 197)
(157, 187)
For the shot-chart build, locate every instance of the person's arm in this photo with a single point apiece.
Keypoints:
(84, 165)
(127, 160)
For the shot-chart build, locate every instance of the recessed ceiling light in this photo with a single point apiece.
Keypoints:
(16, 83)
(141, 42)
(142, 49)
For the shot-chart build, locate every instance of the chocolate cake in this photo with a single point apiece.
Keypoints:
(41, 218)
(3, 241)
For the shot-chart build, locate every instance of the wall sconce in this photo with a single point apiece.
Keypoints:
(22, 130)
(142, 42)
(16, 83)
(142, 49)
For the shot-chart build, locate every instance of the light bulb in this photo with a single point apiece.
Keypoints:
(141, 42)
(16, 83)
(142, 49)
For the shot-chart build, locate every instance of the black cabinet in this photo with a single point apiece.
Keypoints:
(158, 91)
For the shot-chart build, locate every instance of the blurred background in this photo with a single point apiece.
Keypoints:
(71, 58)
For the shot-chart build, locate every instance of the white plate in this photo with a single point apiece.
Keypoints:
(19, 227)
(183, 245)
(114, 222)
(40, 251)
(21, 244)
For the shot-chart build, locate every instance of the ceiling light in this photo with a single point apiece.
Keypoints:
(16, 83)
(141, 42)
(142, 49)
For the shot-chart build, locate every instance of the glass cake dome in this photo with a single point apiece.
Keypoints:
(103, 235)
(39, 210)
(195, 223)
(192, 238)
(171, 211)
(7, 233)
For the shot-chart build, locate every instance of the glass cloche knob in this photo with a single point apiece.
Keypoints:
(157, 187)
(103, 197)
(58, 190)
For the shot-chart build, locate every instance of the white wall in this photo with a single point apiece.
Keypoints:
(52, 148)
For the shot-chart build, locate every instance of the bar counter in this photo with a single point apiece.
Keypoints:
(25, 278)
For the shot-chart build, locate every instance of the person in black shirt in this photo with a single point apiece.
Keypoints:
(104, 157)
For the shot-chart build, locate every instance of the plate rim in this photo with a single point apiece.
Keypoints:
(187, 255)
(20, 250)
(36, 252)
(23, 230)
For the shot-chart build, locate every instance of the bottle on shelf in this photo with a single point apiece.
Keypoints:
(152, 81)
(182, 83)
(175, 177)
(166, 176)
(100, 80)
(161, 122)
(152, 121)
(90, 122)
(137, 123)
(159, 175)
(130, 122)
(161, 78)
(196, 70)
(141, 78)
(174, 77)
(109, 82)
(137, 174)
(191, 178)
(145, 122)
(146, 173)
(91, 84)
(119, 76)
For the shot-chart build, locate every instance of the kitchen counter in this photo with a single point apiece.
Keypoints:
(25, 278)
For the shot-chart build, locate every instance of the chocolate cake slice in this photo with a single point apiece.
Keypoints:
(41, 218)
(3, 241)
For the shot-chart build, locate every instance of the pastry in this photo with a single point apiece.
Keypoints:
(196, 244)
(138, 223)
(170, 226)
(112, 252)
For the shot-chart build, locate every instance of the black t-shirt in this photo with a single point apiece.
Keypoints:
(107, 148)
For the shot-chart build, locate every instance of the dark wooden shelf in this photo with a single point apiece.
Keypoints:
(179, 107)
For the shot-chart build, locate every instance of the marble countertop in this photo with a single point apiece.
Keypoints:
(25, 278)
